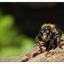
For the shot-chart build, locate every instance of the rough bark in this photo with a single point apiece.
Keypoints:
(55, 55)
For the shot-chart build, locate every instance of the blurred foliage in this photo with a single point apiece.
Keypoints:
(11, 42)
(23, 22)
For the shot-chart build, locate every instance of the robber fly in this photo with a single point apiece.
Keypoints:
(49, 34)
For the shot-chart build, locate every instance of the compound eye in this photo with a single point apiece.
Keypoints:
(47, 31)
(41, 32)
(56, 32)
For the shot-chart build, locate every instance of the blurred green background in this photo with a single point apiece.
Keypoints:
(21, 22)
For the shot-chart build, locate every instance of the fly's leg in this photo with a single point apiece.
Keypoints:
(38, 39)
(49, 47)
(51, 43)
(58, 35)
(59, 43)
(40, 49)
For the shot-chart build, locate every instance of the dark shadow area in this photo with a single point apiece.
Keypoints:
(31, 16)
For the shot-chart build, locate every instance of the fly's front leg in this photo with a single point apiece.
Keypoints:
(59, 43)
(51, 43)
(40, 49)
(38, 39)
(49, 47)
